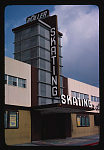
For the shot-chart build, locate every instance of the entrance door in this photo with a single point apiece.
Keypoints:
(54, 126)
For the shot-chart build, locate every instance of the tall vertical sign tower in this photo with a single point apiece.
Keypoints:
(38, 43)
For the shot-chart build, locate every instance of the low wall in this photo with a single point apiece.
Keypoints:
(83, 131)
(23, 133)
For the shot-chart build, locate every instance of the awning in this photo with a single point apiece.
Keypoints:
(59, 108)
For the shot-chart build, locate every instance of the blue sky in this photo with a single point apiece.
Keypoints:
(80, 27)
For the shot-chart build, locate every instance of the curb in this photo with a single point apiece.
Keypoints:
(91, 144)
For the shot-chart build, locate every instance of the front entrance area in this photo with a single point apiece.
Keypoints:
(55, 125)
(50, 126)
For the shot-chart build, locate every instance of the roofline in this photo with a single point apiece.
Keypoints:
(81, 82)
(32, 23)
(29, 24)
(44, 23)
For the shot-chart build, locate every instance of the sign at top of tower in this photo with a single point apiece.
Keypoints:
(40, 15)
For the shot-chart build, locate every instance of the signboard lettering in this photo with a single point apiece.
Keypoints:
(54, 55)
(40, 15)
(65, 99)
(54, 80)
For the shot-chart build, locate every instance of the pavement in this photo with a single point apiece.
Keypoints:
(69, 141)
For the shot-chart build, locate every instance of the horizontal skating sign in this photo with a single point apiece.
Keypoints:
(40, 15)
(65, 99)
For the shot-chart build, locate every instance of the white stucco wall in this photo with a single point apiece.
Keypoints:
(74, 85)
(15, 95)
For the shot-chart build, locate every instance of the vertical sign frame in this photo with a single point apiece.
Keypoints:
(54, 55)
(55, 78)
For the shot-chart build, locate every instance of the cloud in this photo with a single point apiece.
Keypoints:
(80, 27)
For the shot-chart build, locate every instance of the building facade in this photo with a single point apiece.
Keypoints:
(81, 90)
(34, 84)
(17, 102)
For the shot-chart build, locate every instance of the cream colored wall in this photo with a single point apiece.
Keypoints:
(17, 95)
(23, 133)
(74, 85)
(83, 131)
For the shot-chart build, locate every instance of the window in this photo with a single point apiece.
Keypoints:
(15, 81)
(25, 55)
(22, 83)
(42, 42)
(92, 98)
(60, 70)
(44, 54)
(5, 79)
(48, 90)
(60, 61)
(12, 80)
(11, 119)
(42, 75)
(87, 121)
(61, 81)
(59, 51)
(73, 94)
(61, 91)
(47, 34)
(42, 31)
(48, 77)
(43, 90)
(18, 36)
(96, 120)
(59, 41)
(42, 101)
(18, 47)
(86, 96)
(29, 43)
(47, 44)
(77, 94)
(97, 99)
(42, 64)
(34, 52)
(83, 121)
(81, 96)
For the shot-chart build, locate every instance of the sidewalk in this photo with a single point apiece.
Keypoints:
(69, 141)
(79, 141)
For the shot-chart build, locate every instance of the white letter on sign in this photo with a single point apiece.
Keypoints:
(54, 91)
(54, 80)
(52, 31)
(63, 100)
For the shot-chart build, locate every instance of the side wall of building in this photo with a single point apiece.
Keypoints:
(77, 86)
(23, 133)
(83, 131)
(15, 95)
